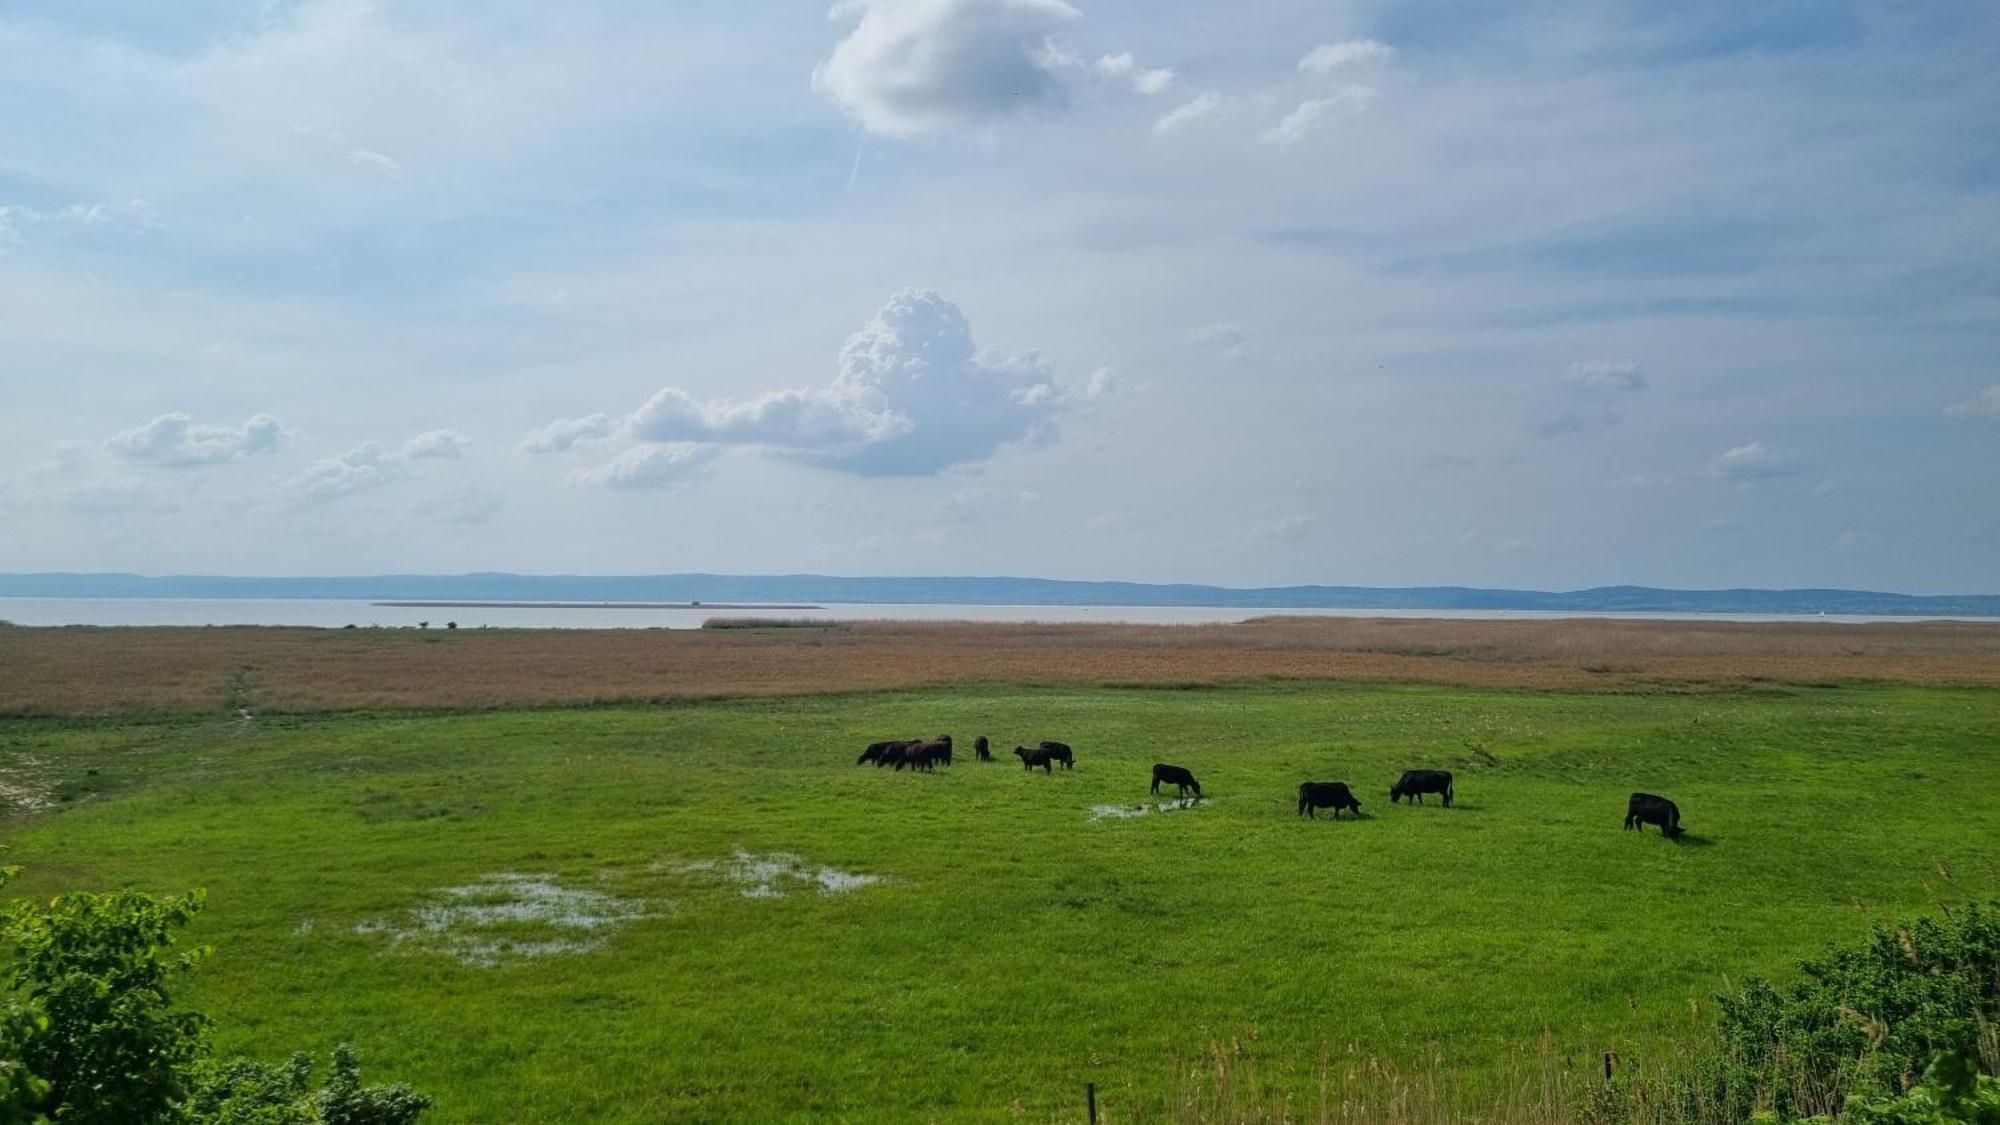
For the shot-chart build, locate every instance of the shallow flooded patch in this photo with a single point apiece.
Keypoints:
(778, 874)
(504, 916)
(1144, 808)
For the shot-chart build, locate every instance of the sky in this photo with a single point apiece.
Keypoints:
(1486, 293)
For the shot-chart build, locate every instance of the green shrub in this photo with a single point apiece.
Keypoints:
(89, 1034)
(91, 1006)
(1952, 1092)
(1858, 1027)
(243, 1092)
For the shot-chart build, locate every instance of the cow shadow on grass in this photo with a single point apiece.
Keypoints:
(1694, 840)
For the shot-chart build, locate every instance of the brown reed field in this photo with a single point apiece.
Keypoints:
(183, 670)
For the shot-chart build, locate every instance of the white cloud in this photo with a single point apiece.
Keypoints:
(1290, 526)
(1313, 111)
(652, 466)
(471, 504)
(114, 498)
(368, 466)
(377, 162)
(1143, 80)
(798, 419)
(360, 469)
(436, 443)
(1227, 338)
(1985, 404)
(1850, 541)
(916, 66)
(566, 433)
(1753, 461)
(1191, 110)
(979, 505)
(1103, 381)
(1329, 57)
(17, 223)
(911, 397)
(1589, 397)
(177, 441)
(66, 459)
(1607, 375)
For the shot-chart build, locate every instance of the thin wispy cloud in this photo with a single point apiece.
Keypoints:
(1314, 114)
(1985, 404)
(1751, 462)
(1194, 109)
(1329, 57)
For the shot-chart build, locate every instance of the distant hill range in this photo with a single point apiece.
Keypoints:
(818, 588)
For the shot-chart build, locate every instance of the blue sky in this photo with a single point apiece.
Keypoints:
(1483, 293)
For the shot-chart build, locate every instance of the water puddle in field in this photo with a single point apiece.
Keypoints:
(20, 798)
(1144, 808)
(505, 916)
(780, 873)
(25, 789)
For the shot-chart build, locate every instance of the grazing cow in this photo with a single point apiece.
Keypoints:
(1032, 758)
(923, 755)
(1415, 783)
(876, 750)
(1060, 752)
(1645, 808)
(1176, 776)
(1316, 795)
(981, 749)
(897, 753)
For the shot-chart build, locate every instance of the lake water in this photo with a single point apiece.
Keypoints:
(332, 614)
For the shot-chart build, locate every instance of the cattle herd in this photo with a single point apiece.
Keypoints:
(925, 754)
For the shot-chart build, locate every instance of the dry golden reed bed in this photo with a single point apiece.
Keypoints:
(123, 671)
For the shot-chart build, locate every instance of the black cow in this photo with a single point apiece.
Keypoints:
(1415, 783)
(1645, 808)
(1174, 775)
(923, 755)
(877, 749)
(1316, 795)
(1058, 751)
(981, 749)
(1032, 758)
(897, 753)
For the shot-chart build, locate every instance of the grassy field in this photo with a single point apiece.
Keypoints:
(559, 915)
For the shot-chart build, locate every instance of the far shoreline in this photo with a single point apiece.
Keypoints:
(592, 605)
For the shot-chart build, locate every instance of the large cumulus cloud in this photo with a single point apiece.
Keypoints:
(912, 396)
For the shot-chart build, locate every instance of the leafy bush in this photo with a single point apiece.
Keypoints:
(91, 1005)
(89, 1034)
(1953, 1092)
(243, 1092)
(1853, 1034)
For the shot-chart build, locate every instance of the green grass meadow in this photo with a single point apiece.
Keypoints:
(1013, 948)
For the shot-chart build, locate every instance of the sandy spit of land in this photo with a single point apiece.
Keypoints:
(110, 671)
